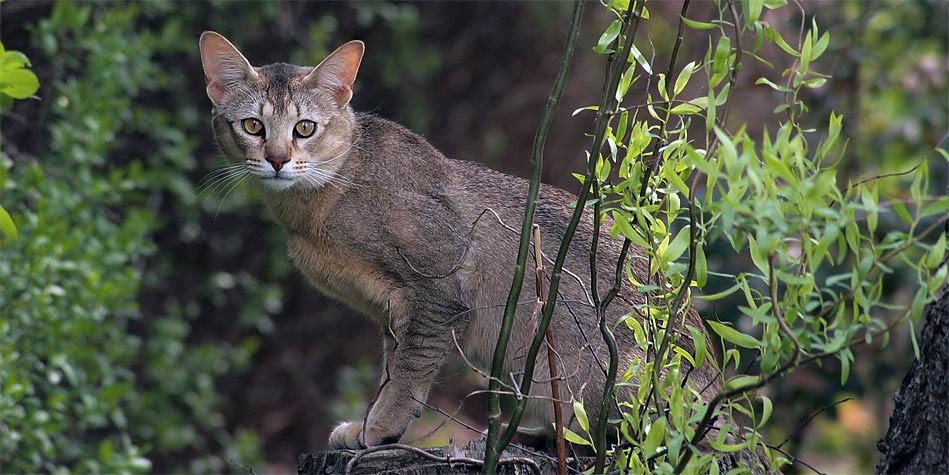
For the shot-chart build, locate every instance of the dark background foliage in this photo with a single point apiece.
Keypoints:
(149, 324)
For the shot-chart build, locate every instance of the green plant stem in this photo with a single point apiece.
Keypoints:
(607, 101)
(493, 448)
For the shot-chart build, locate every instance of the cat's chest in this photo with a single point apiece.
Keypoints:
(341, 274)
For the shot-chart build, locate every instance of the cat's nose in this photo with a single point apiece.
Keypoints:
(277, 161)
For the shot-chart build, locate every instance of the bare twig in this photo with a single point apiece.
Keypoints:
(541, 288)
(794, 459)
(249, 470)
(808, 420)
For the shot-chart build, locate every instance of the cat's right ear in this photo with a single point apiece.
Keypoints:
(224, 66)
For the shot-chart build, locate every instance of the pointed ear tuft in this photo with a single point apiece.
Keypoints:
(224, 66)
(338, 71)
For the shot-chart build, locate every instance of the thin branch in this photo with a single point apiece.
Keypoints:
(778, 314)
(794, 459)
(808, 420)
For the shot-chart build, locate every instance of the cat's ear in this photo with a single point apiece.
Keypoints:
(224, 66)
(338, 71)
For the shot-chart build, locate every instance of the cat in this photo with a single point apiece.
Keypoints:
(379, 219)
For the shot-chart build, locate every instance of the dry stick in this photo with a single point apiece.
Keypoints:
(541, 288)
(607, 101)
(493, 446)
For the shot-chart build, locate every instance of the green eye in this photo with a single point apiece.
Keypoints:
(253, 126)
(304, 128)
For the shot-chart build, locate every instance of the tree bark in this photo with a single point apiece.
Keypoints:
(400, 460)
(917, 441)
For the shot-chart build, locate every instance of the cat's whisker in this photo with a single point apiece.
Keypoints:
(211, 191)
(219, 182)
(237, 182)
(219, 171)
(318, 178)
(317, 167)
(330, 178)
(344, 152)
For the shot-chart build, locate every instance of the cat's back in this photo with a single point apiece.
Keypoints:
(391, 153)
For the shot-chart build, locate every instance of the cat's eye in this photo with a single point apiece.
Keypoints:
(253, 126)
(304, 128)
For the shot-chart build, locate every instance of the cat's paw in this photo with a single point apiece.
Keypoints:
(350, 435)
(346, 436)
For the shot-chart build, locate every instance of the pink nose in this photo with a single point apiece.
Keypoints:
(278, 161)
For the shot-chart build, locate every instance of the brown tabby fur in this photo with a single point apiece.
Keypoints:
(377, 218)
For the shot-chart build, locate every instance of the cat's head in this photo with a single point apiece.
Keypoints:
(291, 126)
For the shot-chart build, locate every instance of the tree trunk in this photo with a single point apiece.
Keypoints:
(918, 438)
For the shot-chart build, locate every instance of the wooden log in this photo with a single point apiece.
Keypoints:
(397, 459)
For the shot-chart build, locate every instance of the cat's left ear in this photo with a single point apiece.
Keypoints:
(338, 71)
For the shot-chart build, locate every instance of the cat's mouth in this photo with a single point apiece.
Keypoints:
(278, 181)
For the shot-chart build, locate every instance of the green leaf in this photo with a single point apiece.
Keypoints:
(636, 55)
(759, 256)
(821, 45)
(766, 408)
(919, 302)
(18, 83)
(720, 295)
(783, 44)
(701, 266)
(6, 224)
(683, 79)
(621, 126)
(678, 245)
(937, 253)
(912, 337)
(740, 382)
(621, 226)
(939, 207)
(608, 36)
(752, 9)
(733, 336)
(626, 80)
(720, 61)
(870, 203)
(657, 431)
(575, 438)
(581, 414)
(772, 85)
(698, 338)
(844, 368)
(697, 25)
(13, 60)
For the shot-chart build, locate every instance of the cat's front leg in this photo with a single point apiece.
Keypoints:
(415, 349)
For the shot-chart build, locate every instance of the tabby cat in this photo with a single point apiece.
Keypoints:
(379, 219)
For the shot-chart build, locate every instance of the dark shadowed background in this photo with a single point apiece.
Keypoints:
(150, 322)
